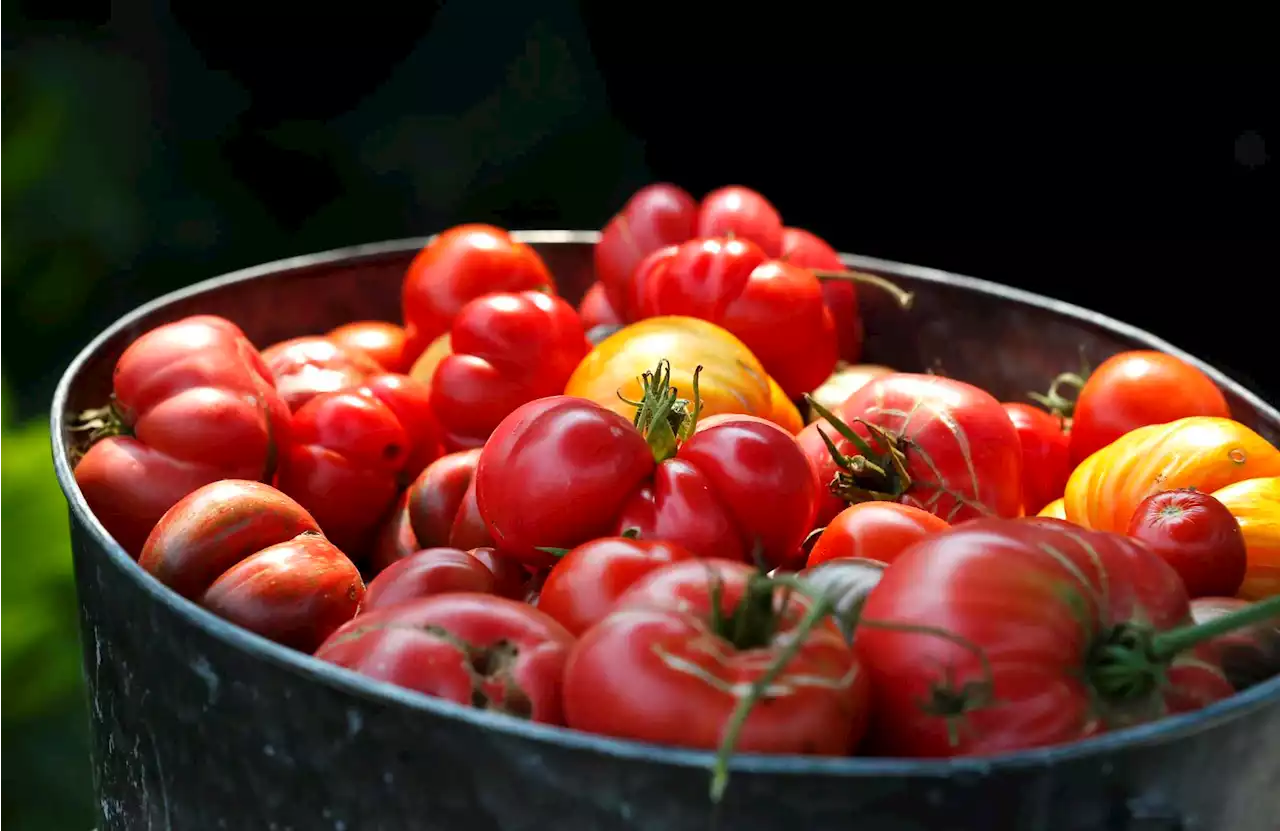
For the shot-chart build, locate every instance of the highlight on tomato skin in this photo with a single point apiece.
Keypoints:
(1198, 536)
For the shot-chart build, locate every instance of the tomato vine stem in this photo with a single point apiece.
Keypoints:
(902, 297)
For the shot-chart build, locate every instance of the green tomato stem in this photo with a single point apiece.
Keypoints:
(1166, 645)
(902, 297)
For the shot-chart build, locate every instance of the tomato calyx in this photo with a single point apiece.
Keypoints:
(872, 475)
(102, 422)
(902, 297)
(664, 418)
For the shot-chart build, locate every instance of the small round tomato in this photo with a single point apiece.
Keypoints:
(743, 213)
(428, 572)
(1134, 389)
(1248, 656)
(1198, 536)
(656, 216)
(507, 349)
(305, 367)
(382, 341)
(456, 267)
(435, 496)
(1046, 458)
(250, 554)
(476, 650)
(595, 309)
(587, 581)
(807, 250)
(669, 665)
(842, 383)
(874, 531)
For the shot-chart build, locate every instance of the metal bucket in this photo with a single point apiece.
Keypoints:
(198, 724)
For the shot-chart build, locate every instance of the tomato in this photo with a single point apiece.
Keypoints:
(250, 554)
(1248, 656)
(775, 308)
(382, 341)
(436, 495)
(934, 443)
(561, 471)
(394, 539)
(740, 212)
(875, 531)
(424, 368)
(586, 582)
(1046, 457)
(807, 250)
(476, 650)
(192, 402)
(1200, 452)
(669, 665)
(596, 310)
(1002, 635)
(731, 379)
(1135, 389)
(507, 349)
(1054, 510)
(656, 216)
(1255, 503)
(429, 572)
(842, 383)
(782, 411)
(456, 267)
(305, 367)
(1197, 535)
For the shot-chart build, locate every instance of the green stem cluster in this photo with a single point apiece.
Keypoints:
(662, 416)
(872, 474)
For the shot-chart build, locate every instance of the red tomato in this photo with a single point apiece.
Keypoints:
(1248, 656)
(250, 554)
(305, 367)
(508, 349)
(874, 531)
(1198, 536)
(410, 400)
(395, 539)
(667, 666)
(596, 310)
(656, 216)
(775, 308)
(923, 440)
(1046, 459)
(1134, 389)
(742, 213)
(428, 572)
(586, 583)
(1001, 635)
(799, 247)
(382, 341)
(476, 650)
(456, 267)
(561, 471)
(435, 496)
(192, 403)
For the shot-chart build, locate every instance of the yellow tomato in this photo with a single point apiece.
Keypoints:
(1202, 452)
(785, 414)
(1054, 509)
(424, 369)
(1255, 503)
(731, 381)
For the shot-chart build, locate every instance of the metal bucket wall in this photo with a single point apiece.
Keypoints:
(200, 725)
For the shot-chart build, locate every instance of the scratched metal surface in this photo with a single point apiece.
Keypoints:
(199, 725)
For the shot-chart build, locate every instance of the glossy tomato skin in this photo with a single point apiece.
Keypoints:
(1205, 453)
(775, 308)
(1046, 455)
(742, 213)
(656, 670)
(394, 539)
(425, 573)
(410, 400)
(583, 587)
(344, 464)
(962, 453)
(252, 555)
(305, 367)
(380, 340)
(1197, 535)
(1135, 389)
(507, 349)
(473, 649)
(436, 495)
(1030, 599)
(841, 384)
(459, 265)
(873, 531)
(1255, 503)
(656, 216)
(596, 310)
(194, 403)
(807, 250)
(1248, 656)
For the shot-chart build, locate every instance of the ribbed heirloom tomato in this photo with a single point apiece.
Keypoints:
(1255, 503)
(305, 367)
(560, 471)
(506, 349)
(934, 443)
(1001, 635)
(192, 402)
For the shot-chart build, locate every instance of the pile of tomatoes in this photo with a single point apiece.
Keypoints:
(614, 517)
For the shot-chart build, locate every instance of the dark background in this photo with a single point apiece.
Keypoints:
(146, 149)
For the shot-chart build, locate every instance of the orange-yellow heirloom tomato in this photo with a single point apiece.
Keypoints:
(732, 379)
(424, 368)
(1255, 503)
(1202, 452)
(1054, 510)
(785, 414)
